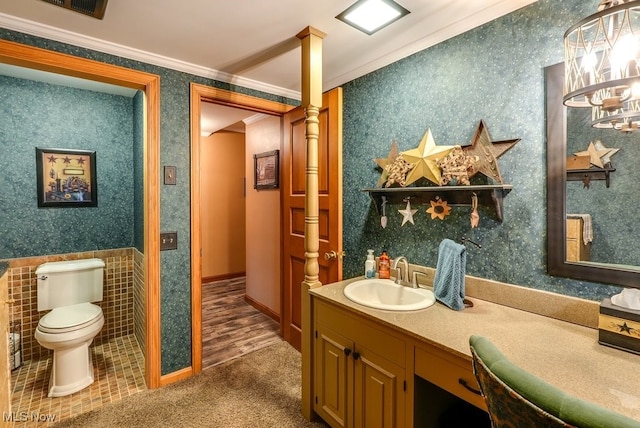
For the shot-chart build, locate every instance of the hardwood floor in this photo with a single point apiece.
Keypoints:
(230, 326)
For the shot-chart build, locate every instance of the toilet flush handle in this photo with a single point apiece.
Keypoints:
(43, 278)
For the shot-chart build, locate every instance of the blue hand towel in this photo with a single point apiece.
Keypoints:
(448, 285)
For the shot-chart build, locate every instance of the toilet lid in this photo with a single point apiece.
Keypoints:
(70, 317)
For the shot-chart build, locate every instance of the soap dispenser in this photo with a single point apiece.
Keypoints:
(370, 265)
(384, 266)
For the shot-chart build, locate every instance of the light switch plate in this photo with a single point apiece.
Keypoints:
(168, 241)
(169, 175)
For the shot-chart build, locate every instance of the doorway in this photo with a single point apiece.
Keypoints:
(273, 110)
(42, 60)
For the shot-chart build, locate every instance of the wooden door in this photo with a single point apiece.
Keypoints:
(5, 372)
(294, 159)
(378, 391)
(334, 377)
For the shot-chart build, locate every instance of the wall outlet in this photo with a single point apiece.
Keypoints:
(168, 241)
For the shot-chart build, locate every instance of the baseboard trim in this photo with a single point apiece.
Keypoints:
(176, 376)
(262, 308)
(222, 277)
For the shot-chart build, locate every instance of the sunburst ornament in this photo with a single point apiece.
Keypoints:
(407, 214)
(424, 159)
(389, 160)
(439, 209)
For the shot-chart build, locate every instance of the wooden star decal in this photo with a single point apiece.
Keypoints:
(383, 162)
(625, 328)
(407, 214)
(595, 155)
(488, 152)
(424, 159)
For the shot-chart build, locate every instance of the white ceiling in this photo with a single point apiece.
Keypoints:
(251, 42)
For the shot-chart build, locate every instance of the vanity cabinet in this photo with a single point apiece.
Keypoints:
(359, 372)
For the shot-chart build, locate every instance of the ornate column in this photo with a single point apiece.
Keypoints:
(311, 102)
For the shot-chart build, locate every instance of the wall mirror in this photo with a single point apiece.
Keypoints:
(609, 196)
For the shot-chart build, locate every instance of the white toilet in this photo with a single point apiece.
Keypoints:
(68, 288)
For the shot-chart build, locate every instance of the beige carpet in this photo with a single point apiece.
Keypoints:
(261, 389)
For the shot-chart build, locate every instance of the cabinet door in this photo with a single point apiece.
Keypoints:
(334, 376)
(379, 391)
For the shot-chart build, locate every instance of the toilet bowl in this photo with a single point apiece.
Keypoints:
(68, 331)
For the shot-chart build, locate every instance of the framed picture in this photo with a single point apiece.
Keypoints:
(266, 170)
(66, 178)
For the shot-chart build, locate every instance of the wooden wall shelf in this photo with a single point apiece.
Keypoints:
(488, 195)
(591, 174)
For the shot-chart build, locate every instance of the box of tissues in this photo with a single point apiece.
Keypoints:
(619, 321)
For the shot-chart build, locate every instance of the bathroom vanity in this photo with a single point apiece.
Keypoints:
(404, 368)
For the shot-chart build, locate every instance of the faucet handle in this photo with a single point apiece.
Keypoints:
(414, 278)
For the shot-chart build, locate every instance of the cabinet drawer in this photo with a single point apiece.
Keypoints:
(448, 372)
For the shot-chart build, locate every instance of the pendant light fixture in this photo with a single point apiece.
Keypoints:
(602, 65)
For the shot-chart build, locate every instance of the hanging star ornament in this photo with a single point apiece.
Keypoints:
(488, 152)
(389, 160)
(407, 214)
(424, 159)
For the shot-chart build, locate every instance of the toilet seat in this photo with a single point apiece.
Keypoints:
(70, 318)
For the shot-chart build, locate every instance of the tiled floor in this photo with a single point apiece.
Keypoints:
(119, 370)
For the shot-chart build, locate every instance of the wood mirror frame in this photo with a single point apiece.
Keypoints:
(557, 264)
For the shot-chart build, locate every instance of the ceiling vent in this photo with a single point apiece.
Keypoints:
(94, 8)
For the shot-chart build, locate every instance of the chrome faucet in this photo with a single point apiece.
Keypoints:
(398, 271)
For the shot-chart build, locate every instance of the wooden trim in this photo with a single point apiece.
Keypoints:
(176, 376)
(41, 59)
(198, 94)
(556, 195)
(262, 308)
(222, 277)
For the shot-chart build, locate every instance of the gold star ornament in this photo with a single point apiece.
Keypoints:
(595, 155)
(425, 160)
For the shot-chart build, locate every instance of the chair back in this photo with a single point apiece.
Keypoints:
(518, 399)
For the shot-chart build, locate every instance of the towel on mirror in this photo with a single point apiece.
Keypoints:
(448, 284)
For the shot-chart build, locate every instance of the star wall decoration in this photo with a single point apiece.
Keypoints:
(595, 155)
(407, 214)
(488, 152)
(606, 158)
(389, 160)
(424, 159)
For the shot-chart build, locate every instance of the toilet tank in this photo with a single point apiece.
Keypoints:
(69, 282)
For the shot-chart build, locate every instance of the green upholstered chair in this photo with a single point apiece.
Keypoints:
(518, 399)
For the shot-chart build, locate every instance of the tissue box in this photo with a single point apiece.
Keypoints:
(619, 327)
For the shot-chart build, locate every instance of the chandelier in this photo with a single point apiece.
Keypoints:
(602, 65)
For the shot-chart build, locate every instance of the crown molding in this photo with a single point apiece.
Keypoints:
(63, 36)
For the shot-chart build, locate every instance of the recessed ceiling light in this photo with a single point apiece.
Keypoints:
(370, 16)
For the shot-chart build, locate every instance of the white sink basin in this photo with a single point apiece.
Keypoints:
(386, 294)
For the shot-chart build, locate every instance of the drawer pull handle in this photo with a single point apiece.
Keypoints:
(347, 351)
(356, 355)
(469, 387)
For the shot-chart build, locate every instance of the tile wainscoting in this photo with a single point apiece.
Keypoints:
(123, 291)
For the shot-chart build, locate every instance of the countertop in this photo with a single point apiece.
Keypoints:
(563, 354)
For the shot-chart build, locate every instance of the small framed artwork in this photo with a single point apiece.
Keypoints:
(66, 178)
(266, 171)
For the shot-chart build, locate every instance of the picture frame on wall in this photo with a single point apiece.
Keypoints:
(66, 178)
(266, 170)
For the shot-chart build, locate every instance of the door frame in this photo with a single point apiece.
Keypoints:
(197, 94)
(59, 63)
